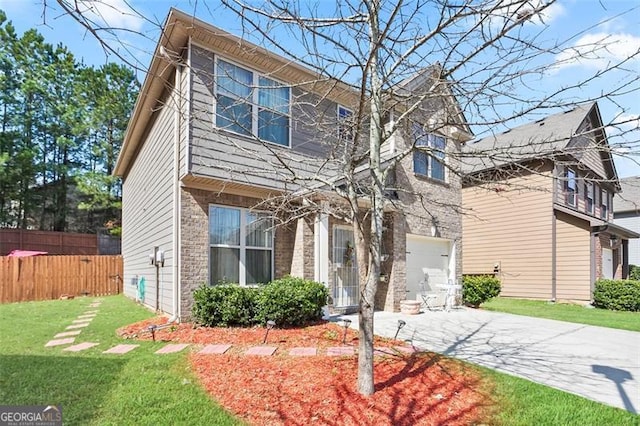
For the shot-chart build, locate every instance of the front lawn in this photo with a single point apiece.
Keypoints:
(143, 388)
(138, 388)
(565, 312)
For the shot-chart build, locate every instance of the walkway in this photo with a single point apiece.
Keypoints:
(598, 363)
(72, 332)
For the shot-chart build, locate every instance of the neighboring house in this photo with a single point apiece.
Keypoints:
(220, 128)
(538, 208)
(626, 212)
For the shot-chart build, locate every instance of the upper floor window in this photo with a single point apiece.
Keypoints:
(570, 187)
(240, 246)
(588, 197)
(431, 163)
(604, 204)
(345, 125)
(250, 104)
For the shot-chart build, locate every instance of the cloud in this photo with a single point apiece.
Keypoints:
(115, 14)
(599, 51)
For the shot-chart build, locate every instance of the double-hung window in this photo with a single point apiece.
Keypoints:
(345, 124)
(570, 187)
(604, 204)
(251, 104)
(429, 156)
(588, 197)
(241, 246)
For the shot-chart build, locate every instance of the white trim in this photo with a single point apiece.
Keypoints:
(177, 104)
(321, 249)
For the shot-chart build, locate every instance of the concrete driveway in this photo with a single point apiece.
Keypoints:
(601, 364)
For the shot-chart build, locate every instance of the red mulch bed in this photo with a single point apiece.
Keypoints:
(417, 389)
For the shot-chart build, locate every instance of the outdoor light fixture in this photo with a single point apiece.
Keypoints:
(345, 323)
(270, 325)
(152, 329)
(400, 325)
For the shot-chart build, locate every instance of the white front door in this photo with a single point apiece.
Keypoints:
(430, 255)
(607, 263)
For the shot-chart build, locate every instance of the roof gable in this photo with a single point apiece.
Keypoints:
(577, 133)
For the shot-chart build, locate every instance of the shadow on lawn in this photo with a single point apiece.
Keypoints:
(78, 384)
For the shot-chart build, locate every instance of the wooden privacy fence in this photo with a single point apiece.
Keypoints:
(49, 277)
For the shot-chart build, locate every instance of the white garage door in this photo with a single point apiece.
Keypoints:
(607, 263)
(430, 253)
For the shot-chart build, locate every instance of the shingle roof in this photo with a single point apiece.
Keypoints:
(537, 139)
(629, 199)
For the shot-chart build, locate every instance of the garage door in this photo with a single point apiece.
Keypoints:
(431, 254)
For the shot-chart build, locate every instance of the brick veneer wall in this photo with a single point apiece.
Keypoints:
(195, 241)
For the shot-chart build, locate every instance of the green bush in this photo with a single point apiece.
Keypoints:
(477, 289)
(224, 305)
(617, 295)
(291, 301)
(634, 272)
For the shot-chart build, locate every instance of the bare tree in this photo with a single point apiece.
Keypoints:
(403, 69)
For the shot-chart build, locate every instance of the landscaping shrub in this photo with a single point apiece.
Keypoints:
(291, 301)
(224, 305)
(634, 272)
(477, 289)
(617, 295)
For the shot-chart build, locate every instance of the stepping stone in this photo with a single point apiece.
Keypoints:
(80, 347)
(303, 352)
(172, 348)
(214, 349)
(340, 351)
(82, 321)
(120, 349)
(94, 305)
(261, 350)
(67, 334)
(58, 342)
(71, 327)
(384, 351)
(405, 349)
(88, 316)
(91, 312)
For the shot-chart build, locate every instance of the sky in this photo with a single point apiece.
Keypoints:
(580, 22)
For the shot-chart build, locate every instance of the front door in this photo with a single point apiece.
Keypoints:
(345, 279)
(607, 264)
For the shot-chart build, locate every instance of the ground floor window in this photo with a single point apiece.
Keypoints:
(240, 245)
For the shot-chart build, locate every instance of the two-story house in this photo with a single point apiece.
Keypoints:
(626, 213)
(538, 207)
(223, 130)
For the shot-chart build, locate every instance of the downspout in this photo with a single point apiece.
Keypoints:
(177, 104)
(554, 243)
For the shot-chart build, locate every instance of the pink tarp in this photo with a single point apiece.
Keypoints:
(25, 253)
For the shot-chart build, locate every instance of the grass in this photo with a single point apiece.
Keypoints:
(525, 403)
(142, 388)
(93, 388)
(566, 312)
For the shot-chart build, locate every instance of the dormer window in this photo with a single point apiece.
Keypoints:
(250, 104)
(570, 188)
(429, 156)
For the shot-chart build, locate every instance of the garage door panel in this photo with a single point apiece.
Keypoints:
(430, 254)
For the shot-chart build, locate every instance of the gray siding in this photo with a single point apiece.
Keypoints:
(631, 222)
(223, 155)
(147, 212)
